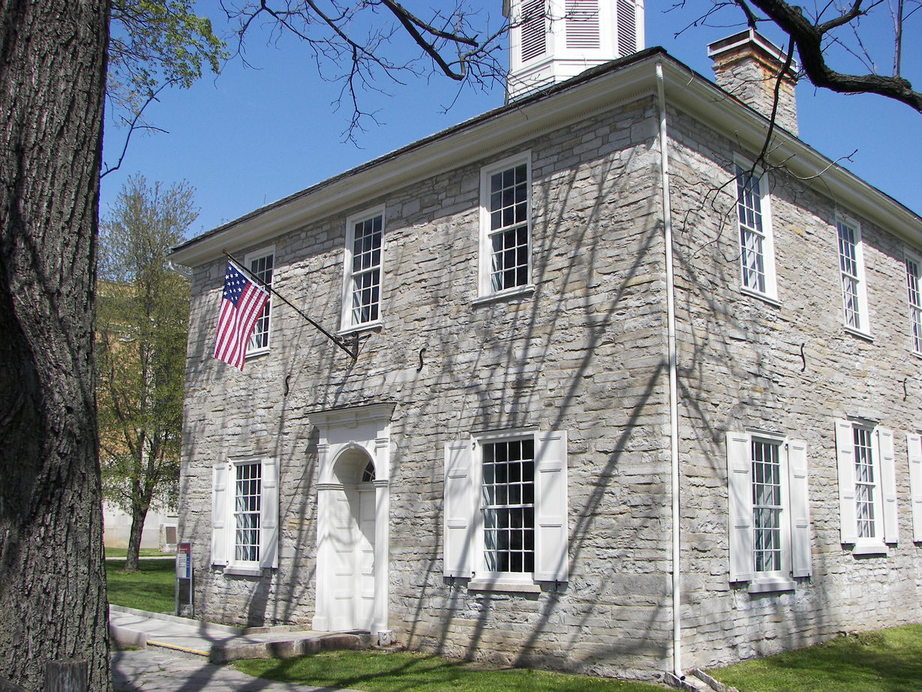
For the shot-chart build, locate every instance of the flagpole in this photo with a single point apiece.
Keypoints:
(352, 350)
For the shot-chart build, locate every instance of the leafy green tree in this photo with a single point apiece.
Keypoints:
(142, 324)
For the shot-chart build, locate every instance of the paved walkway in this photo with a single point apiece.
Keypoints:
(179, 654)
(157, 670)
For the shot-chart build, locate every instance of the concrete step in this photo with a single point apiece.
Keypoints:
(221, 643)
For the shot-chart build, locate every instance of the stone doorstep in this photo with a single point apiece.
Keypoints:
(304, 645)
(226, 629)
(291, 648)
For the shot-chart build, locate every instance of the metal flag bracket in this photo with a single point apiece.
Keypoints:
(349, 344)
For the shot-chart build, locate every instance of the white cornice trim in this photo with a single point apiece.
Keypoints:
(692, 93)
(491, 134)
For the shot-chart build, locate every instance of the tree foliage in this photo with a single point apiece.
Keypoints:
(154, 44)
(142, 323)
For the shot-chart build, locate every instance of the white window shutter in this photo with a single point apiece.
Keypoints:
(551, 540)
(269, 515)
(800, 508)
(888, 485)
(845, 459)
(219, 512)
(458, 510)
(739, 482)
(914, 445)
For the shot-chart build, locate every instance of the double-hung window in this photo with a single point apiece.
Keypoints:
(505, 516)
(851, 270)
(362, 279)
(247, 497)
(505, 243)
(757, 254)
(261, 265)
(508, 505)
(913, 278)
(769, 510)
(867, 486)
(244, 533)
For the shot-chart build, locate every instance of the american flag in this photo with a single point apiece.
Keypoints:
(241, 305)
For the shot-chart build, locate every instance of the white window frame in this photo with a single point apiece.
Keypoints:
(464, 544)
(794, 520)
(481, 568)
(914, 298)
(347, 317)
(485, 283)
(882, 487)
(857, 275)
(770, 289)
(224, 527)
(248, 260)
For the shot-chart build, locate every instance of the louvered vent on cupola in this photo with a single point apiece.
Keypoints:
(627, 27)
(553, 40)
(582, 24)
(534, 29)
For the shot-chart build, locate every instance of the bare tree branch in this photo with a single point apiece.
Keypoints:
(809, 37)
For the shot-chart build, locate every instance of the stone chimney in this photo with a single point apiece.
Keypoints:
(747, 65)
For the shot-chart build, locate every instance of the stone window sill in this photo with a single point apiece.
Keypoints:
(764, 297)
(870, 549)
(241, 571)
(771, 585)
(503, 586)
(526, 290)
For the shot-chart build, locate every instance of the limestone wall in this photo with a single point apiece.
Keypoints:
(583, 353)
(741, 368)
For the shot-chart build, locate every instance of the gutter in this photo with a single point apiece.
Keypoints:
(672, 359)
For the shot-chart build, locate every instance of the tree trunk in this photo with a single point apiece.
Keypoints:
(52, 576)
(138, 515)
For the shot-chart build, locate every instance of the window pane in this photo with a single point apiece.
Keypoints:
(749, 212)
(507, 497)
(247, 498)
(766, 505)
(915, 304)
(865, 482)
(366, 270)
(261, 267)
(508, 209)
(848, 268)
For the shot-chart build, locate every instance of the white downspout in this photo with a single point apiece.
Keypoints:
(673, 382)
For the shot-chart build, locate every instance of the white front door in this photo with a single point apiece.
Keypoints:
(352, 543)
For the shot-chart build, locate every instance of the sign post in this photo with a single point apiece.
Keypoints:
(184, 574)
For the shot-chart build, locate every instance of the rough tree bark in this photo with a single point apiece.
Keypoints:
(52, 578)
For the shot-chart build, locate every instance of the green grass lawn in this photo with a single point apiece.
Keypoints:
(884, 661)
(150, 588)
(393, 671)
(144, 552)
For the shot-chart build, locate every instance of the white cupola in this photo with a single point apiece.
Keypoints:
(553, 40)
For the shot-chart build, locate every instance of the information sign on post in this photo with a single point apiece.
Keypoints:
(184, 561)
(184, 574)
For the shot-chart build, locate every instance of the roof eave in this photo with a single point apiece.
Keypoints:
(468, 142)
(592, 92)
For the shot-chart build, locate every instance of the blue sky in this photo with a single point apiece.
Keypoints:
(256, 134)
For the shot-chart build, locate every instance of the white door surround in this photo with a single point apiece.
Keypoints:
(353, 506)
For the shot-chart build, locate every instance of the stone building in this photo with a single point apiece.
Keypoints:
(627, 399)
